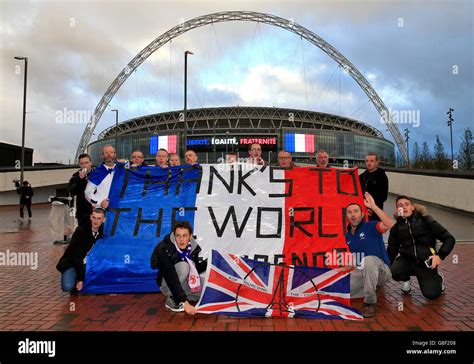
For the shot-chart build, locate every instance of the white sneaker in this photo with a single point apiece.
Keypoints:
(406, 289)
(171, 305)
(20, 219)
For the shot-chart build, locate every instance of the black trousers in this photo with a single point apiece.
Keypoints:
(28, 207)
(428, 279)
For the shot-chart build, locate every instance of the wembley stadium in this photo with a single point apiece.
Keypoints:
(212, 132)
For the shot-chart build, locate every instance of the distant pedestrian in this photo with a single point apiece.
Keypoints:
(26, 193)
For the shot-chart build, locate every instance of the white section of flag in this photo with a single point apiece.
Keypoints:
(163, 142)
(220, 200)
(300, 145)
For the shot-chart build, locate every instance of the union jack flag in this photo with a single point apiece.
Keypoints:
(238, 286)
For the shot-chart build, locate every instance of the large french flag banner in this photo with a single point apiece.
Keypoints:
(237, 286)
(269, 214)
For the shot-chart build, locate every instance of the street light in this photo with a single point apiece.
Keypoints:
(22, 166)
(450, 124)
(226, 142)
(407, 132)
(185, 139)
(116, 129)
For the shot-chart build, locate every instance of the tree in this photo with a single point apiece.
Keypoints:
(425, 157)
(440, 158)
(466, 150)
(416, 155)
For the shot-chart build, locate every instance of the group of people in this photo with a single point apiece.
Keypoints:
(411, 251)
(412, 243)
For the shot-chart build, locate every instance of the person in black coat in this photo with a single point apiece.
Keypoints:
(413, 240)
(374, 181)
(26, 193)
(77, 186)
(72, 263)
(178, 263)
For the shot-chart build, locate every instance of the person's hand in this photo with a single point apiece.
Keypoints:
(27, 196)
(435, 261)
(79, 285)
(369, 201)
(121, 160)
(105, 203)
(82, 174)
(189, 308)
(346, 268)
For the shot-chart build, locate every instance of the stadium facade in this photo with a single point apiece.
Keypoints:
(212, 132)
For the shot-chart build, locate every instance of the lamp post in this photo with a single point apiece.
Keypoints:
(185, 138)
(116, 129)
(407, 132)
(450, 124)
(22, 166)
(214, 143)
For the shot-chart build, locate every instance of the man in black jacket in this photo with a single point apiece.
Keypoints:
(72, 263)
(26, 193)
(77, 186)
(374, 181)
(177, 260)
(414, 238)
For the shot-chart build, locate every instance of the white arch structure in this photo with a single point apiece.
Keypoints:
(227, 16)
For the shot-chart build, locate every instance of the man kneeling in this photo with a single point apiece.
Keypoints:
(366, 240)
(176, 258)
(72, 264)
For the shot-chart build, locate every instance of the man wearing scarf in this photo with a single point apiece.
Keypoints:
(177, 260)
(100, 180)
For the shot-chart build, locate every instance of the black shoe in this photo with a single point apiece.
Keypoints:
(443, 285)
(173, 306)
(368, 310)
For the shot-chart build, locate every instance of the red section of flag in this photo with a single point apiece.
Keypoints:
(309, 143)
(172, 140)
(315, 213)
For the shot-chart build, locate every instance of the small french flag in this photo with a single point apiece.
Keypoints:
(167, 142)
(299, 143)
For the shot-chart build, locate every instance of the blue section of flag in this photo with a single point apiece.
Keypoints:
(153, 144)
(120, 262)
(290, 142)
(99, 173)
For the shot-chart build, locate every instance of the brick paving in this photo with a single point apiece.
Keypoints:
(31, 300)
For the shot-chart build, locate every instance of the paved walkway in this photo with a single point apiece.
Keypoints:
(32, 299)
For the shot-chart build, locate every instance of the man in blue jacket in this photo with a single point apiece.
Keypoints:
(365, 241)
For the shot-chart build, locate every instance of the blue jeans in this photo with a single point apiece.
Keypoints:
(68, 280)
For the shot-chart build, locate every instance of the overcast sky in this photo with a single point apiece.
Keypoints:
(418, 56)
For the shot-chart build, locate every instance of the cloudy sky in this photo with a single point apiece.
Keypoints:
(417, 55)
